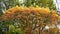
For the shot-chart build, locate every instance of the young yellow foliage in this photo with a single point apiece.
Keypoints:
(44, 11)
(58, 17)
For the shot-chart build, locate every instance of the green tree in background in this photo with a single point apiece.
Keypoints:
(41, 3)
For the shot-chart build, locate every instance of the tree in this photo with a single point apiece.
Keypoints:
(31, 20)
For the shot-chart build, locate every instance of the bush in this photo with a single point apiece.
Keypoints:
(30, 20)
